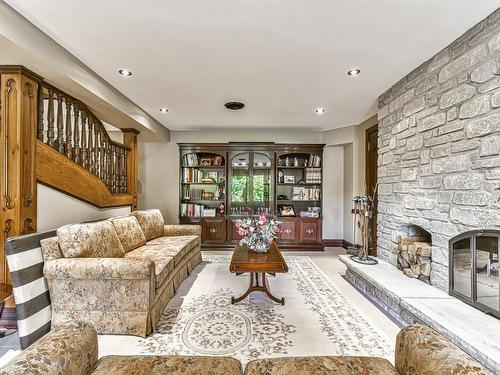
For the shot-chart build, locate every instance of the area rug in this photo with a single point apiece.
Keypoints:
(200, 320)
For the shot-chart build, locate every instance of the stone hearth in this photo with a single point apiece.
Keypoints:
(439, 147)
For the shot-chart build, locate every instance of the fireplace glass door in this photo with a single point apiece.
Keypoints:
(474, 270)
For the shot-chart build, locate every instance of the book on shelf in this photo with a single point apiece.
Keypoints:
(193, 210)
(191, 160)
(312, 175)
(306, 194)
(314, 161)
(192, 175)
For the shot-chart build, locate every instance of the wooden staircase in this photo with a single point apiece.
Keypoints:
(52, 138)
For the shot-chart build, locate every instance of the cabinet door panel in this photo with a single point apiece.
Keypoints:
(310, 230)
(213, 230)
(233, 234)
(288, 230)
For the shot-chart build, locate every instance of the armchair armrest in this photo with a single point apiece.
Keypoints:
(420, 350)
(182, 230)
(99, 269)
(70, 348)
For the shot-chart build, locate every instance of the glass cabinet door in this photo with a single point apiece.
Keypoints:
(261, 184)
(251, 184)
(240, 184)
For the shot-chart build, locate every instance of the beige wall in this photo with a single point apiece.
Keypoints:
(56, 209)
(159, 162)
(344, 166)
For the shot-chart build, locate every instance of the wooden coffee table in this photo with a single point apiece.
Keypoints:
(258, 265)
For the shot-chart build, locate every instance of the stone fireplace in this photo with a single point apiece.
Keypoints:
(439, 149)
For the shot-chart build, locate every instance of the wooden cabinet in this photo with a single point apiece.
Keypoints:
(232, 232)
(309, 230)
(213, 230)
(288, 230)
(235, 179)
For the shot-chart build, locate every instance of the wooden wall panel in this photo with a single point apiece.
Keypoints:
(18, 99)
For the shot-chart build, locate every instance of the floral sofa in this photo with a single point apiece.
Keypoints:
(118, 273)
(71, 348)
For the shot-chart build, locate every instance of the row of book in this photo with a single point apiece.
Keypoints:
(192, 175)
(192, 193)
(191, 160)
(197, 210)
(312, 175)
(305, 194)
(314, 161)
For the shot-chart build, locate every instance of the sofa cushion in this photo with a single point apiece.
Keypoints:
(129, 232)
(164, 263)
(90, 240)
(321, 366)
(176, 247)
(172, 365)
(151, 222)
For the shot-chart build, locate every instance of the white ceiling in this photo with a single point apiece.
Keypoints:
(281, 58)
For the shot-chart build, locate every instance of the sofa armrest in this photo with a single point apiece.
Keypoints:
(182, 230)
(70, 348)
(99, 269)
(422, 351)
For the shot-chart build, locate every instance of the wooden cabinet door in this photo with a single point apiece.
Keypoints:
(310, 230)
(288, 230)
(232, 231)
(213, 230)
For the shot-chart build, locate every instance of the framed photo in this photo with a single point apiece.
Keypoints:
(205, 162)
(286, 210)
(289, 179)
(218, 161)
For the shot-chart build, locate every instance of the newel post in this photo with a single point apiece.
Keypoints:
(18, 134)
(130, 140)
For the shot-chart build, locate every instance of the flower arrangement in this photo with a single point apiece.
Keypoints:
(258, 233)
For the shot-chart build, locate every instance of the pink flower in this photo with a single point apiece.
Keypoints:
(262, 219)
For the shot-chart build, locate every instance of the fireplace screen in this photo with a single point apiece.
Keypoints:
(474, 270)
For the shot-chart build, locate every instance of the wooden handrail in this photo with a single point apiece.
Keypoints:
(72, 129)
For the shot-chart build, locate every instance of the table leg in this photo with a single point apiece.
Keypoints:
(255, 286)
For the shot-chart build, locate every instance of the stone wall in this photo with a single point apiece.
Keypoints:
(439, 146)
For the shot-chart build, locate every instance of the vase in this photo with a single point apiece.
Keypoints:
(260, 247)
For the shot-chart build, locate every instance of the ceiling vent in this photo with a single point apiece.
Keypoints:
(234, 105)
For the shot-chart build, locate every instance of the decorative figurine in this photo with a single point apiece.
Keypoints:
(295, 162)
(287, 162)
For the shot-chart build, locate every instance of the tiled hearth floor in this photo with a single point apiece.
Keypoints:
(328, 262)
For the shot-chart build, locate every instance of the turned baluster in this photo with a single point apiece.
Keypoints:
(90, 148)
(121, 169)
(97, 163)
(113, 169)
(85, 161)
(102, 150)
(60, 124)
(69, 130)
(109, 173)
(125, 171)
(40, 113)
(76, 133)
(50, 119)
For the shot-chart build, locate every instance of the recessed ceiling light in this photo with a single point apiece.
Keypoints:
(163, 110)
(125, 72)
(320, 110)
(234, 105)
(353, 72)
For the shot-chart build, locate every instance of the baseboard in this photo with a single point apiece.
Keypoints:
(336, 243)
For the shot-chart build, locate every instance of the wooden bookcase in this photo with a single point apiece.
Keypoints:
(221, 183)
